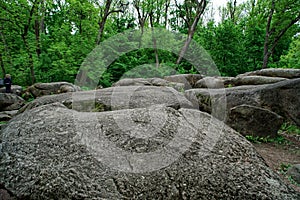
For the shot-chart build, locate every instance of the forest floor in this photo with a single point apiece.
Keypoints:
(280, 157)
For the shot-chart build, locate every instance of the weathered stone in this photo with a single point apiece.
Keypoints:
(164, 83)
(42, 89)
(189, 80)
(228, 81)
(210, 82)
(4, 117)
(15, 89)
(52, 152)
(281, 98)
(256, 80)
(132, 82)
(294, 173)
(9, 101)
(7, 115)
(116, 98)
(149, 82)
(254, 121)
(275, 72)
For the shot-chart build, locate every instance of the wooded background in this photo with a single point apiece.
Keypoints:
(47, 40)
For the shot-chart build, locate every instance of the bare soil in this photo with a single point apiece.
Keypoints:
(277, 155)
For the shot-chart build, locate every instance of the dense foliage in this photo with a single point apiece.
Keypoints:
(48, 40)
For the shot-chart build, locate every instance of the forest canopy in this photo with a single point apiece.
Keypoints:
(48, 40)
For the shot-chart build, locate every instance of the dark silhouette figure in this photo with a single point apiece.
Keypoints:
(7, 83)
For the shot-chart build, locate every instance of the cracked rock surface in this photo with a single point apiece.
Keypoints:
(157, 152)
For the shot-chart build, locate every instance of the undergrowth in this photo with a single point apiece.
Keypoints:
(257, 139)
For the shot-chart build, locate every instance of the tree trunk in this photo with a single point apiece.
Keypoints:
(7, 53)
(103, 21)
(37, 38)
(267, 38)
(142, 17)
(101, 29)
(154, 41)
(30, 60)
(2, 65)
(166, 12)
(192, 29)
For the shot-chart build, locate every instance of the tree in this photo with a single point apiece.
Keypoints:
(292, 58)
(191, 12)
(108, 10)
(282, 16)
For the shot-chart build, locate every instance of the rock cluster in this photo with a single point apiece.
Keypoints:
(254, 102)
(148, 138)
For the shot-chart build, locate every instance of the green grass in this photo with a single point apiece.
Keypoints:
(258, 140)
(289, 129)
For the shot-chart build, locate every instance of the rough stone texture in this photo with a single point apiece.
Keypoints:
(42, 89)
(189, 80)
(4, 117)
(52, 152)
(7, 115)
(132, 82)
(256, 80)
(116, 98)
(275, 72)
(281, 98)
(15, 89)
(149, 82)
(4, 195)
(255, 121)
(210, 82)
(294, 172)
(9, 101)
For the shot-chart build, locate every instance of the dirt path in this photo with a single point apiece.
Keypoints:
(277, 155)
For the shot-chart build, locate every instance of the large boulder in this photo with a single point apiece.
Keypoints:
(42, 89)
(256, 80)
(281, 98)
(52, 152)
(254, 121)
(189, 80)
(116, 98)
(275, 72)
(9, 101)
